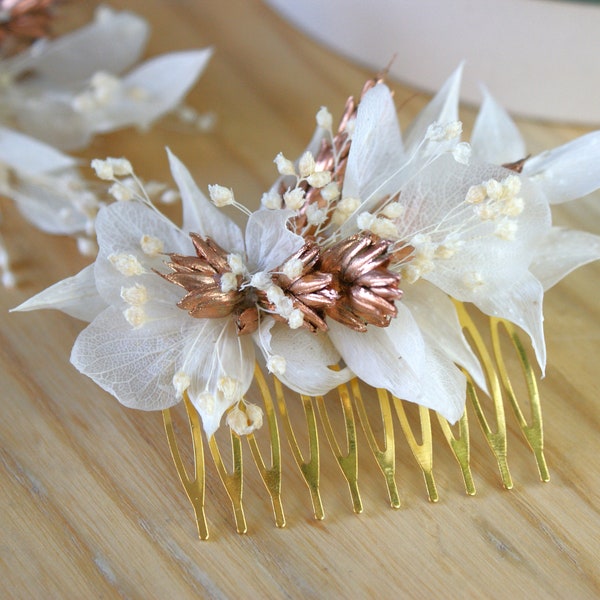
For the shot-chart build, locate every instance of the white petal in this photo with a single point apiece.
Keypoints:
(376, 152)
(308, 358)
(29, 156)
(521, 304)
(496, 138)
(213, 351)
(45, 204)
(561, 252)
(569, 171)
(113, 42)
(444, 385)
(76, 296)
(134, 365)
(436, 316)
(269, 242)
(443, 108)
(165, 80)
(392, 357)
(137, 365)
(200, 215)
(53, 120)
(120, 228)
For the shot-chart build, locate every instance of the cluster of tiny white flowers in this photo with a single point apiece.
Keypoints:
(285, 307)
(379, 225)
(345, 207)
(498, 201)
(443, 132)
(447, 134)
(135, 296)
(245, 420)
(425, 251)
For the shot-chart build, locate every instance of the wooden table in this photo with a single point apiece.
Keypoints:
(90, 504)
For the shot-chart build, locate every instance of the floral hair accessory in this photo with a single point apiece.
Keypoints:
(356, 282)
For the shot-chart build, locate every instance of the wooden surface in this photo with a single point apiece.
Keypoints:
(90, 504)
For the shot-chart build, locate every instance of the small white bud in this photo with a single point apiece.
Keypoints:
(476, 194)
(126, 264)
(284, 165)
(472, 280)
(513, 207)
(151, 246)
(331, 192)
(181, 382)
(120, 192)
(319, 179)
(393, 210)
(271, 200)
(120, 166)
(220, 195)
(315, 215)
(462, 153)
(103, 169)
(294, 199)
(494, 189)
(296, 319)
(135, 316)
(284, 307)
(262, 281)
(506, 230)
(245, 422)
(384, 228)
(365, 221)
(306, 164)
(293, 268)
(274, 294)
(236, 264)
(205, 403)
(229, 387)
(229, 282)
(276, 364)
(136, 295)
(324, 118)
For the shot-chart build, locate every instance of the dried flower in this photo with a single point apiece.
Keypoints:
(74, 89)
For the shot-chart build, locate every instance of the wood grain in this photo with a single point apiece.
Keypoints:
(90, 506)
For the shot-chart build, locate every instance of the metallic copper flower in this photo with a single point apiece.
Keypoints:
(25, 20)
(202, 277)
(349, 282)
(311, 291)
(366, 288)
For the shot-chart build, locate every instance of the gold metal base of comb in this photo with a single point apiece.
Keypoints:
(354, 408)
